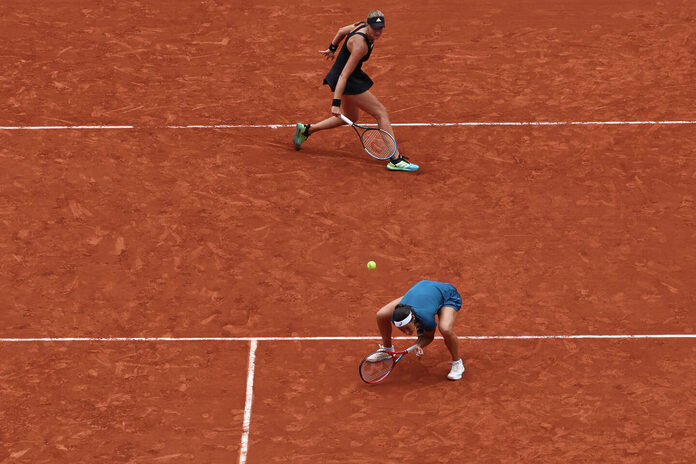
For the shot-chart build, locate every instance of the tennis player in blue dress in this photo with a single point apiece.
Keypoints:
(351, 85)
(416, 311)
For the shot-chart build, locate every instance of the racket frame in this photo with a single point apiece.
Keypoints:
(396, 357)
(365, 129)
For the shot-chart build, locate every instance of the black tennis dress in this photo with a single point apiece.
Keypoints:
(358, 82)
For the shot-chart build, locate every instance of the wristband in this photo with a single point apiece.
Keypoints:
(332, 47)
(336, 102)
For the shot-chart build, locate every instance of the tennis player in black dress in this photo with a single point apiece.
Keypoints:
(351, 85)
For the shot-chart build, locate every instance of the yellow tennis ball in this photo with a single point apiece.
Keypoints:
(371, 265)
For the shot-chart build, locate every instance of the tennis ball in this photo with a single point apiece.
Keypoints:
(371, 265)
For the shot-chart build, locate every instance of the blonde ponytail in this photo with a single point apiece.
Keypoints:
(374, 14)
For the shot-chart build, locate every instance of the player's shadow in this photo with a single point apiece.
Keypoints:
(345, 152)
(414, 375)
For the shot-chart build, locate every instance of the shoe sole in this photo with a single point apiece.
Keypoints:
(458, 378)
(403, 170)
(378, 358)
(297, 134)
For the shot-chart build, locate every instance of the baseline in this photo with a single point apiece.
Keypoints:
(408, 124)
(259, 339)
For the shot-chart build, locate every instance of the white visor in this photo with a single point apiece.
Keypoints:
(405, 321)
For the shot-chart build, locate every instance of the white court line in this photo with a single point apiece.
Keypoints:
(541, 123)
(62, 127)
(254, 344)
(247, 405)
(260, 339)
(409, 124)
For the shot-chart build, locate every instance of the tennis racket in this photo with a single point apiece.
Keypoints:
(377, 143)
(376, 367)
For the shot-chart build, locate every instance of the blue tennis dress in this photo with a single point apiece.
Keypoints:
(427, 297)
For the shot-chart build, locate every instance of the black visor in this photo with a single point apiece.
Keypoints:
(376, 22)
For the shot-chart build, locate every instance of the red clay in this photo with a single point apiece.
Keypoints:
(231, 233)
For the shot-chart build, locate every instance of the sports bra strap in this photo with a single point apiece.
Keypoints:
(355, 32)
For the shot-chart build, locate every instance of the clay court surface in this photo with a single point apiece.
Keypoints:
(180, 294)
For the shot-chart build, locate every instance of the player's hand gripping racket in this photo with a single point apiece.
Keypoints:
(377, 143)
(376, 367)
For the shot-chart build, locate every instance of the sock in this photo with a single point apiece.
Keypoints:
(306, 130)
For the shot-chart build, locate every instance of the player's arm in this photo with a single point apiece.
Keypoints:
(342, 32)
(336, 41)
(358, 49)
(425, 338)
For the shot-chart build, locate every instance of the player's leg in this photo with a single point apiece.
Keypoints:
(302, 131)
(447, 315)
(350, 109)
(367, 102)
(384, 322)
(328, 123)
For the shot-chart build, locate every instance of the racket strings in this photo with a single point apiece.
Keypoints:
(379, 143)
(375, 367)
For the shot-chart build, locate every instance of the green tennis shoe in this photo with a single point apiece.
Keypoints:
(401, 164)
(300, 135)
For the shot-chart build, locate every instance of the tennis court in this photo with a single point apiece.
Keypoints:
(178, 284)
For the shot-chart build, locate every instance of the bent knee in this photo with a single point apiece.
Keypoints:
(447, 331)
(379, 112)
(382, 116)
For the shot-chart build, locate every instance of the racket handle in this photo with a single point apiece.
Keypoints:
(346, 120)
(411, 348)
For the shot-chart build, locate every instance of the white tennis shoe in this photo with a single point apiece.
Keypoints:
(457, 370)
(378, 356)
